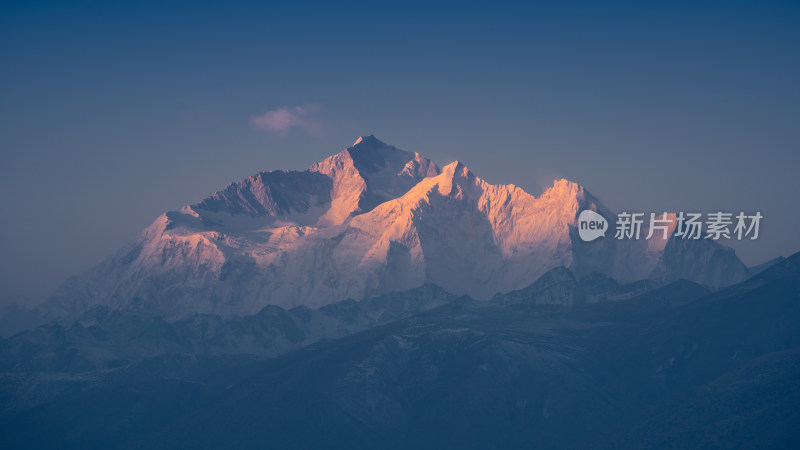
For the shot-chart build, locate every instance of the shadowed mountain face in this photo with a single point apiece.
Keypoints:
(670, 367)
(105, 338)
(370, 220)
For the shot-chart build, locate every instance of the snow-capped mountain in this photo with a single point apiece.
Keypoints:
(369, 220)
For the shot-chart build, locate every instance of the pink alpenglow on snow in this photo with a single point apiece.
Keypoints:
(368, 220)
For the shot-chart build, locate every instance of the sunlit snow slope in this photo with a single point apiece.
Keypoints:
(369, 220)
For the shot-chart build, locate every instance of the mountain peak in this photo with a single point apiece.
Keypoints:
(369, 140)
(456, 168)
(369, 173)
(564, 185)
(370, 154)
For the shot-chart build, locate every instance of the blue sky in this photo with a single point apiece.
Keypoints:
(113, 113)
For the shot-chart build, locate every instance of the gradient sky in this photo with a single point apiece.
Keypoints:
(112, 114)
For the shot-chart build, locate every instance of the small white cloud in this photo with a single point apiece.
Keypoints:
(282, 120)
